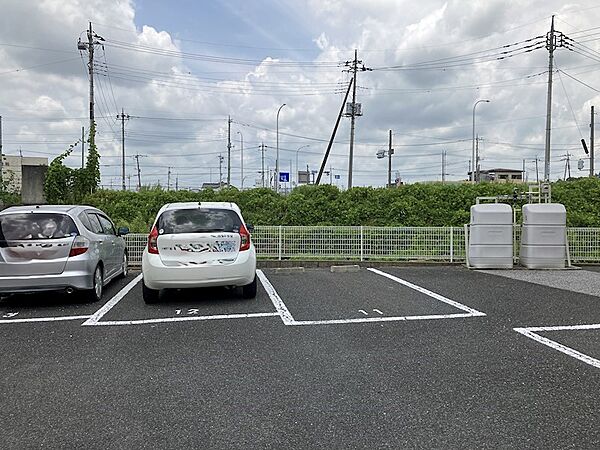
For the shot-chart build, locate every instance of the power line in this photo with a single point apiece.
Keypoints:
(214, 58)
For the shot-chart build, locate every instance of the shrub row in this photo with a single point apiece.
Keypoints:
(410, 205)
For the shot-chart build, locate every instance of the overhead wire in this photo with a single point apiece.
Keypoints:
(470, 58)
(569, 101)
(214, 58)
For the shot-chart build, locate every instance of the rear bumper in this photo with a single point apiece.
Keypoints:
(79, 279)
(158, 276)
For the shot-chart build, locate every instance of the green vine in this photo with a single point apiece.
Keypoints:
(64, 185)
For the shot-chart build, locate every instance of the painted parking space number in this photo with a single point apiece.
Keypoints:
(189, 312)
(8, 315)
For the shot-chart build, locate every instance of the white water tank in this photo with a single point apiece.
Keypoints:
(491, 236)
(543, 236)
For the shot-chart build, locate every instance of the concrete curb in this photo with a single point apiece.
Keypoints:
(288, 270)
(272, 263)
(345, 269)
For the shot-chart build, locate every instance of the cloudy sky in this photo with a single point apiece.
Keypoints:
(180, 68)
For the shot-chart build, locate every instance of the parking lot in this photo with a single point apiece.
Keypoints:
(419, 356)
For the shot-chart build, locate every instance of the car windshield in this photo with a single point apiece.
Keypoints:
(34, 226)
(198, 221)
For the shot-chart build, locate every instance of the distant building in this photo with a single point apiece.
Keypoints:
(216, 186)
(500, 175)
(20, 170)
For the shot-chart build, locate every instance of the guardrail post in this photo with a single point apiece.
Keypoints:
(362, 251)
(451, 244)
(280, 232)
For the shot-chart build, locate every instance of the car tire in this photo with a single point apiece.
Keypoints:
(249, 290)
(95, 294)
(150, 295)
(124, 266)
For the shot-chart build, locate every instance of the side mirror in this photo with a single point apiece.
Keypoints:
(250, 227)
(123, 231)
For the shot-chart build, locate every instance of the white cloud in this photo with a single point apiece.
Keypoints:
(426, 106)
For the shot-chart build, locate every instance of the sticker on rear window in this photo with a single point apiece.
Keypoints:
(217, 247)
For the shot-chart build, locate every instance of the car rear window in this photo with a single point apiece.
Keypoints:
(198, 221)
(35, 226)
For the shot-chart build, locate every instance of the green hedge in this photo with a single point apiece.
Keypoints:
(411, 205)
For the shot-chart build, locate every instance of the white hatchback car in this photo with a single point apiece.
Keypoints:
(194, 245)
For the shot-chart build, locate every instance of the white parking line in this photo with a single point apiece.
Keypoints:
(44, 319)
(431, 294)
(379, 319)
(94, 318)
(288, 319)
(531, 332)
(282, 310)
(186, 319)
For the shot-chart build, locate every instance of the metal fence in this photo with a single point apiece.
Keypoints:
(444, 244)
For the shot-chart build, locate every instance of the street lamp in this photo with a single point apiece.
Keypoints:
(242, 161)
(297, 178)
(277, 158)
(473, 162)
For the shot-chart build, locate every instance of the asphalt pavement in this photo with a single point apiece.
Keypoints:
(425, 357)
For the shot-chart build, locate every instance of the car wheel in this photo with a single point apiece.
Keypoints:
(95, 294)
(249, 290)
(149, 295)
(124, 266)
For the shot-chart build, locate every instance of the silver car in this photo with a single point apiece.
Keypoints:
(68, 248)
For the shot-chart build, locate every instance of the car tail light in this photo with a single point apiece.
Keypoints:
(153, 241)
(244, 239)
(80, 245)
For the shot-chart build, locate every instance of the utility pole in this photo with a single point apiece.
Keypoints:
(123, 116)
(523, 175)
(168, 178)
(262, 171)
(229, 151)
(337, 123)
(443, 166)
(82, 147)
(567, 159)
(592, 144)
(90, 36)
(537, 172)
(177, 183)
(220, 171)
(92, 39)
(355, 110)
(390, 153)
(472, 173)
(553, 40)
(139, 172)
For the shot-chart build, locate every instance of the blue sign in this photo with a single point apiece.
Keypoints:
(337, 177)
(284, 177)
